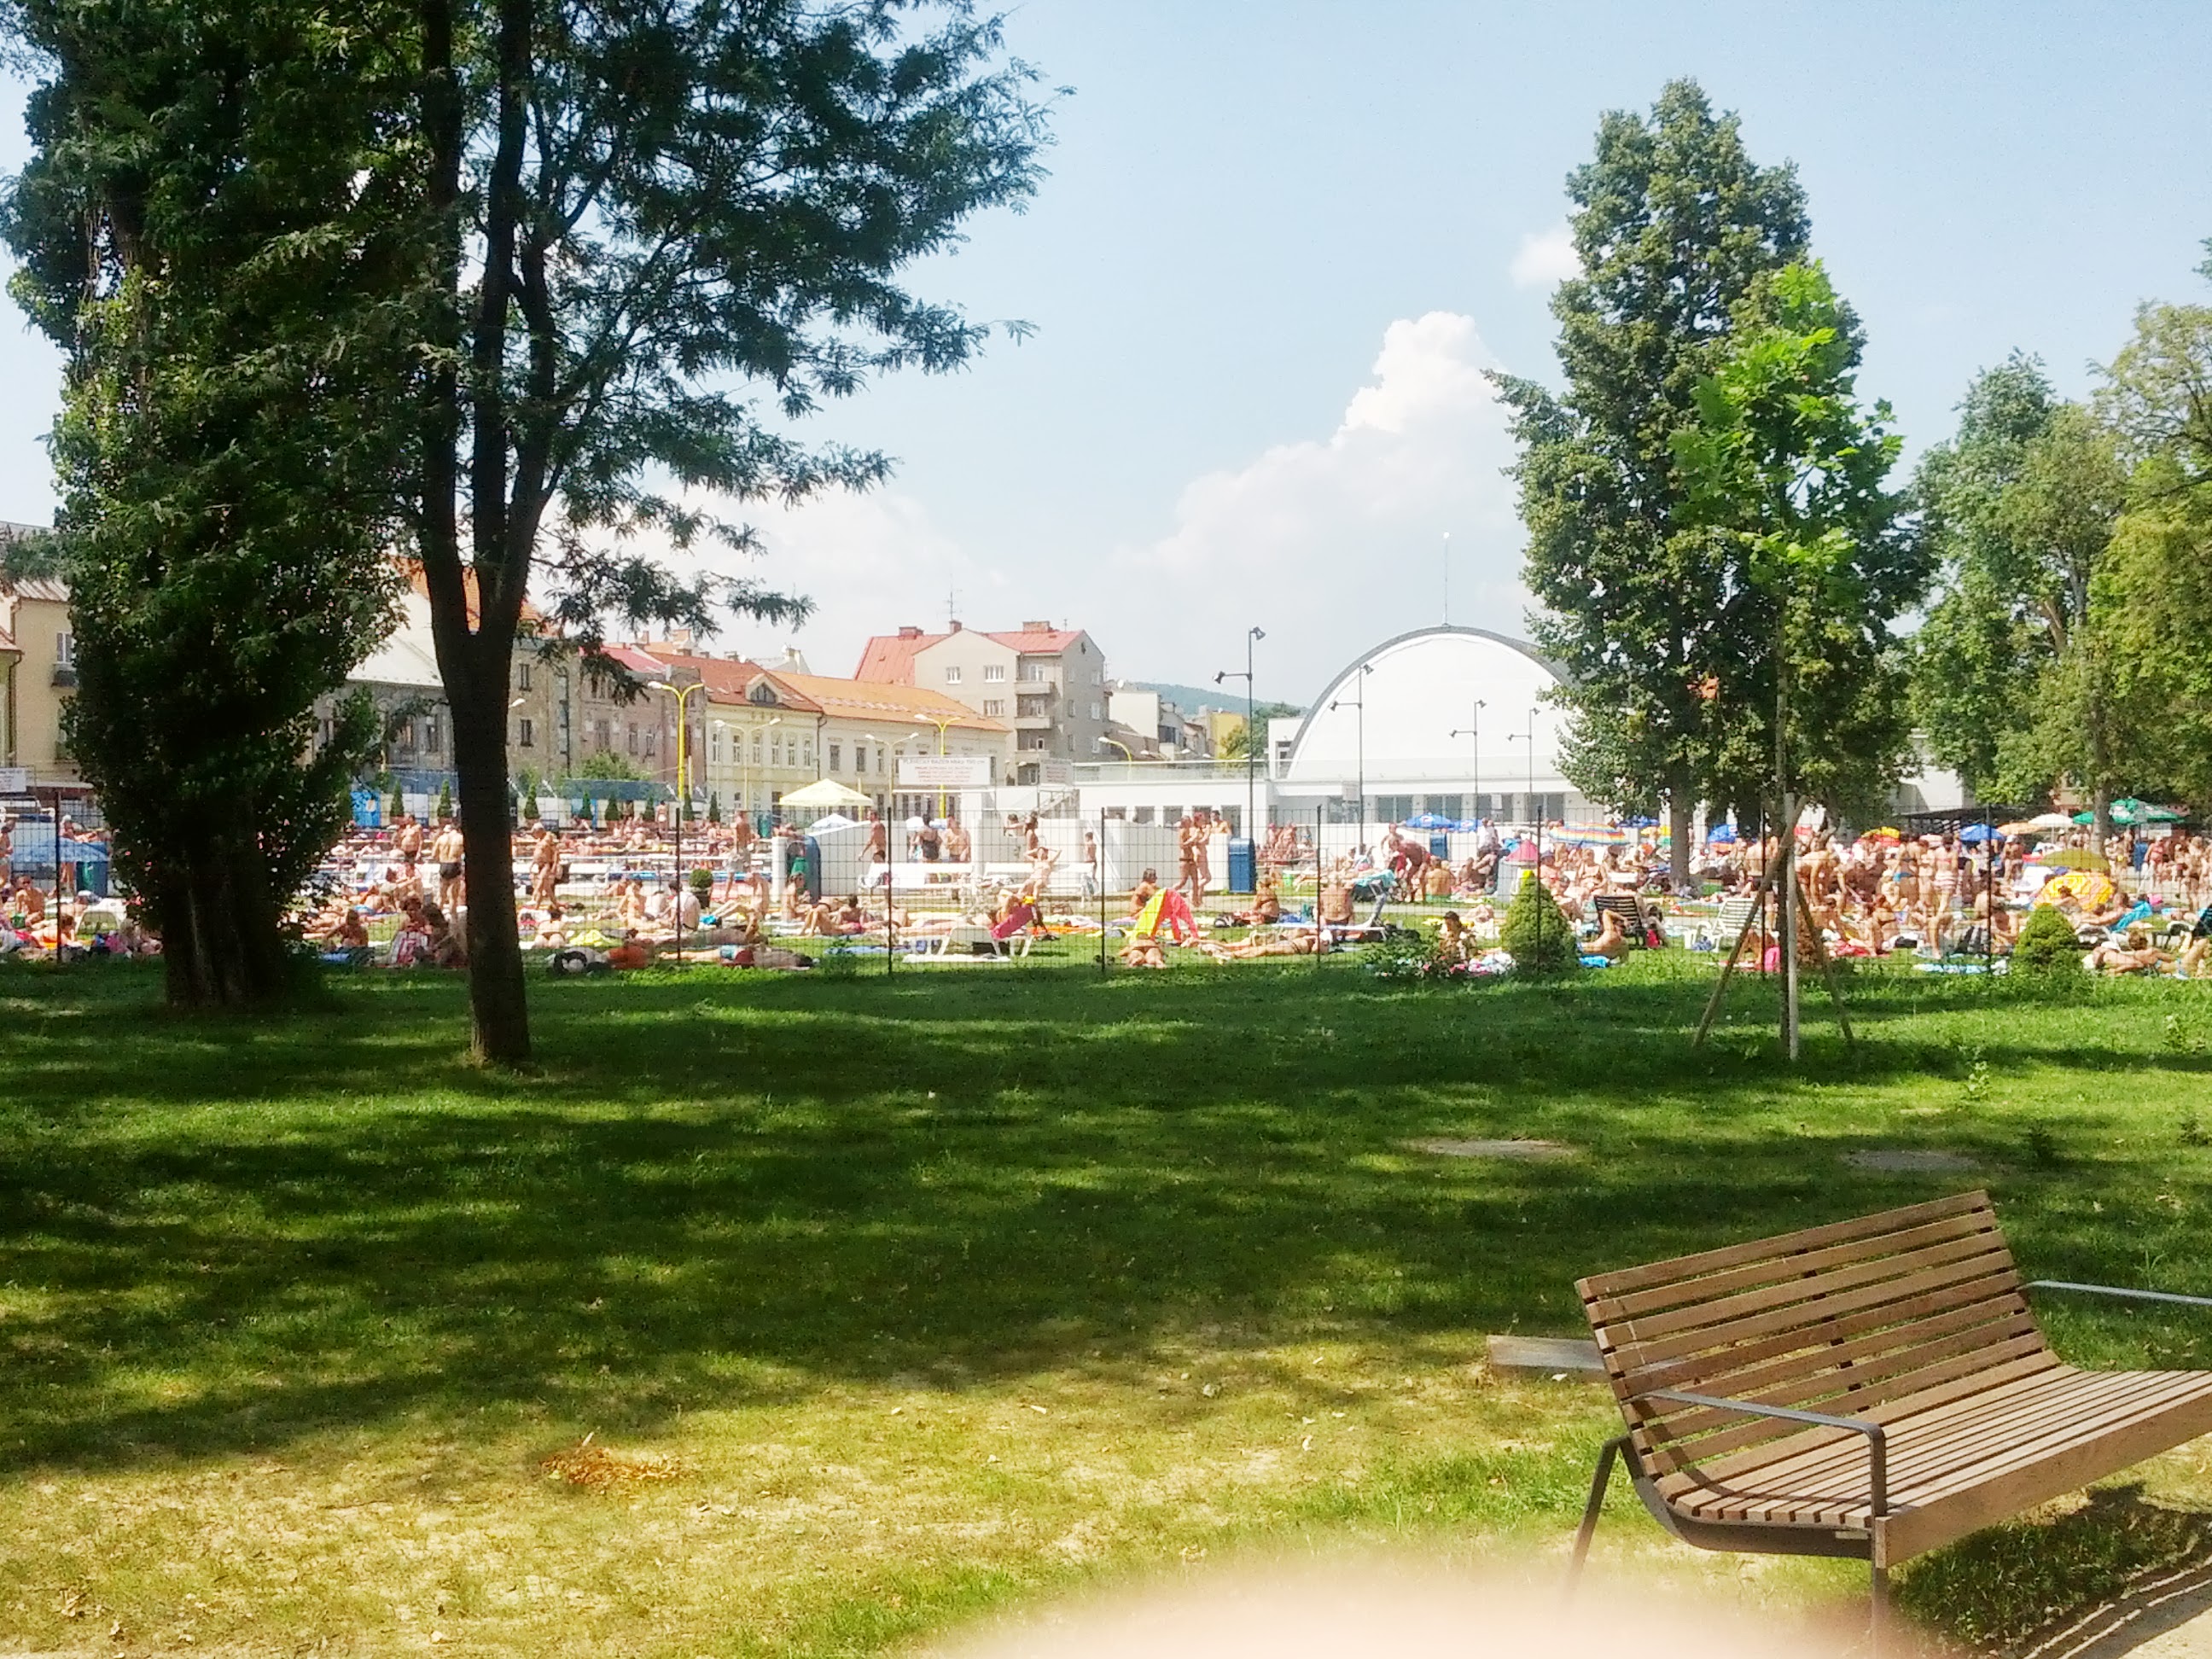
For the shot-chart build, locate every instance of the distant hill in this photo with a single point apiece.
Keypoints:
(1192, 698)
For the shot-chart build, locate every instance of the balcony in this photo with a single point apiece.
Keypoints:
(1033, 722)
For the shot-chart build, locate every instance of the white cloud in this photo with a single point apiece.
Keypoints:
(1334, 545)
(1545, 258)
(1331, 543)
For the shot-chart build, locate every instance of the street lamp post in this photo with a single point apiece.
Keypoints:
(683, 695)
(1359, 702)
(1473, 730)
(1252, 637)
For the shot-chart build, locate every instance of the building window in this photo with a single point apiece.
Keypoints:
(836, 756)
(433, 740)
(879, 761)
(809, 752)
(952, 675)
(1094, 711)
(993, 672)
(650, 735)
(65, 651)
(526, 733)
(756, 749)
(633, 736)
(995, 705)
(522, 677)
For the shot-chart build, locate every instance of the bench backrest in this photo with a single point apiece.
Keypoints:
(1841, 1319)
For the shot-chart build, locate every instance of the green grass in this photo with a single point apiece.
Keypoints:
(936, 1294)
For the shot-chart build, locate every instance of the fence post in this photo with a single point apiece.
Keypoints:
(1102, 891)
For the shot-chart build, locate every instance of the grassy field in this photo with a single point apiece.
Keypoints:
(889, 1304)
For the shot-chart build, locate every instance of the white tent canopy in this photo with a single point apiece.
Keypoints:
(825, 795)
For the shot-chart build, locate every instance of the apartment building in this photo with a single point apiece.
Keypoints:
(38, 674)
(1048, 684)
(759, 732)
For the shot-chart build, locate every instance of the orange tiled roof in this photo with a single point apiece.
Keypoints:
(865, 699)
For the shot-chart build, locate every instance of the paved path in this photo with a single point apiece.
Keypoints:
(2166, 1618)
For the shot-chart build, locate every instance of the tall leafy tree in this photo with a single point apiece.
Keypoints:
(2013, 684)
(2153, 595)
(1984, 643)
(646, 212)
(1789, 475)
(1673, 224)
(207, 229)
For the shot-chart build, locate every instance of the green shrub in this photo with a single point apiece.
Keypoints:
(445, 798)
(713, 807)
(1537, 934)
(702, 882)
(1402, 953)
(2047, 944)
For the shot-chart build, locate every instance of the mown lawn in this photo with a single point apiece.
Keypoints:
(893, 1303)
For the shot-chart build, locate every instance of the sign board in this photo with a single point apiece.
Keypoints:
(15, 780)
(945, 772)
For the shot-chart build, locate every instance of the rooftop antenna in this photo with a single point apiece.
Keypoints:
(1447, 579)
(951, 605)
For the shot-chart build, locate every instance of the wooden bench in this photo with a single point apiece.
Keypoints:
(1869, 1389)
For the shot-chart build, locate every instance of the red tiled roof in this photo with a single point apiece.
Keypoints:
(1040, 641)
(421, 583)
(888, 657)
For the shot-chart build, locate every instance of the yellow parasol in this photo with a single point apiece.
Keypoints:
(2085, 888)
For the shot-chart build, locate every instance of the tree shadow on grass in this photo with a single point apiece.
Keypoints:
(724, 1190)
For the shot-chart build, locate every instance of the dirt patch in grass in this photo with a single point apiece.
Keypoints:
(602, 1468)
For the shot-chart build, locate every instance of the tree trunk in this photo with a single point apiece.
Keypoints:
(498, 1005)
(1680, 809)
(222, 945)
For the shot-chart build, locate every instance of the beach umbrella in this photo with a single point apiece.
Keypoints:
(1724, 835)
(2088, 888)
(2022, 827)
(1593, 835)
(2051, 821)
(1975, 834)
(1524, 851)
(2075, 858)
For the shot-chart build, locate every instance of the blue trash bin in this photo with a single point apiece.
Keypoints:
(1240, 864)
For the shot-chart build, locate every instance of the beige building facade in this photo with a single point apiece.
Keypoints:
(1046, 684)
(38, 677)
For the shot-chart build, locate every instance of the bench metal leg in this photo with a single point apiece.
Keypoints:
(1613, 1449)
(1878, 1620)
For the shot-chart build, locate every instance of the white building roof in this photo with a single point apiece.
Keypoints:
(1420, 690)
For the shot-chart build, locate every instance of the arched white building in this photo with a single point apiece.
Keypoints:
(1448, 720)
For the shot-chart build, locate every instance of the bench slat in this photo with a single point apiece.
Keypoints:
(1621, 1281)
(1745, 1365)
(1812, 1287)
(1954, 1284)
(1710, 1287)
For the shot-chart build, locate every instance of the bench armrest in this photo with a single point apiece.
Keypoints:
(1877, 1443)
(2114, 1290)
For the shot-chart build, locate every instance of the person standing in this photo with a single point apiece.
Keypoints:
(447, 852)
(1089, 872)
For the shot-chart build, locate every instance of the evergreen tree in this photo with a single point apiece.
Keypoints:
(1537, 934)
(210, 233)
(1673, 225)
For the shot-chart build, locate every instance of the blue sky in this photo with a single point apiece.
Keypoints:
(1279, 242)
